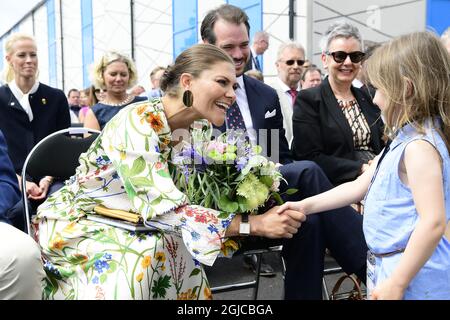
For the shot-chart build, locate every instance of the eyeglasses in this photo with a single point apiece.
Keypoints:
(340, 56)
(291, 62)
(100, 91)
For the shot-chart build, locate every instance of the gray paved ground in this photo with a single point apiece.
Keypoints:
(232, 270)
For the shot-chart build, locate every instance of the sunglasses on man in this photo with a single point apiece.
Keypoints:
(340, 56)
(291, 62)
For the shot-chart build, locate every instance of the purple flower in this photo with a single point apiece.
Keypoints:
(241, 163)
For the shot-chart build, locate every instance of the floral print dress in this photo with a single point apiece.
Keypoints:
(127, 168)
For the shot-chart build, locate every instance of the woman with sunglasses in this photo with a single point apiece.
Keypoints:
(335, 124)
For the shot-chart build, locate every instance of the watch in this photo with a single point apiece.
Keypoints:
(244, 227)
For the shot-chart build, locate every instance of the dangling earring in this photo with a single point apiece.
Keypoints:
(188, 98)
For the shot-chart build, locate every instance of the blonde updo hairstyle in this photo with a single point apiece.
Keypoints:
(8, 72)
(105, 61)
(413, 72)
(193, 61)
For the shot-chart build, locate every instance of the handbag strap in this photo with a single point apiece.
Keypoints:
(356, 287)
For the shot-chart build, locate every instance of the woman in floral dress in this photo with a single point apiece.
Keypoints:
(127, 168)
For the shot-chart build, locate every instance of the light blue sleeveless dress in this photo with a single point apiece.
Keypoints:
(390, 217)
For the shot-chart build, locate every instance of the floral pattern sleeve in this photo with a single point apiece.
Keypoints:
(136, 141)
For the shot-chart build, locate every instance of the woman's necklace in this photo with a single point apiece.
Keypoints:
(127, 99)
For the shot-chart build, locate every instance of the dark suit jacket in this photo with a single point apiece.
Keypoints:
(263, 103)
(50, 112)
(249, 65)
(322, 133)
(9, 188)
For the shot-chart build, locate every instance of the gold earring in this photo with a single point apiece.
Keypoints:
(188, 98)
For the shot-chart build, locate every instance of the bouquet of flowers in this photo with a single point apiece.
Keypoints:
(226, 173)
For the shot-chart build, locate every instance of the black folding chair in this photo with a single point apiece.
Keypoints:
(56, 155)
(254, 283)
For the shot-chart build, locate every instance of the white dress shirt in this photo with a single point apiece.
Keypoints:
(242, 101)
(23, 97)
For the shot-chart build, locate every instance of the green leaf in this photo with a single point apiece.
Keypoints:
(76, 259)
(141, 182)
(277, 198)
(103, 278)
(147, 145)
(194, 272)
(225, 204)
(125, 170)
(138, 166)
(163, 173)
(292, 191)
(223, 215)
(268, 181)
(129, 189)
(160, 286)
(112, 267)
(242, 204)
(156, 201)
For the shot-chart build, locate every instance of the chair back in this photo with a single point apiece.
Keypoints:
(56, 155)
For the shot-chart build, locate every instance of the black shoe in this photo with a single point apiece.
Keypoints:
(266, 269)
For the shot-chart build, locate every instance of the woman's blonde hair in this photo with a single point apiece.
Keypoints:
(8, 72)
(105, 61)
(413, 72)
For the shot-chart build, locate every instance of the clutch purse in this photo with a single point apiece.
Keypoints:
(118, 214)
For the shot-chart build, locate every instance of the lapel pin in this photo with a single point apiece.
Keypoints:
(44, 101)
(12, 104)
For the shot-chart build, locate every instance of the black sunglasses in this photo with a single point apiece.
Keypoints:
(340, 56)
(291, 62)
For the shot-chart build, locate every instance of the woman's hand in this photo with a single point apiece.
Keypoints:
(388, 290)
(40, 192)
(273, 225)
(33, 190)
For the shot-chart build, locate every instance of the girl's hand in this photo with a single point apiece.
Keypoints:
(388, 290)
(292, 205)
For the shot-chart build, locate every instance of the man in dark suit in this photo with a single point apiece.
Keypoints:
(258, 109)
(259, 45)
(21, 270)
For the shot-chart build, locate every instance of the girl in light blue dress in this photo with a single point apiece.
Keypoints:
(407, 189)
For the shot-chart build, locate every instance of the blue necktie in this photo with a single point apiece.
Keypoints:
(257, 66)
(234, 118)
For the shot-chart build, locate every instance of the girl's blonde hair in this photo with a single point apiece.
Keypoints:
(413, 72)
(105, 61)
(8, 72)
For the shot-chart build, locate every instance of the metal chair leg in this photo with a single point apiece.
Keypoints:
(258, 272)
(325, 294)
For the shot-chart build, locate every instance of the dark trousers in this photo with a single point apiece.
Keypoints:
(338, 230)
